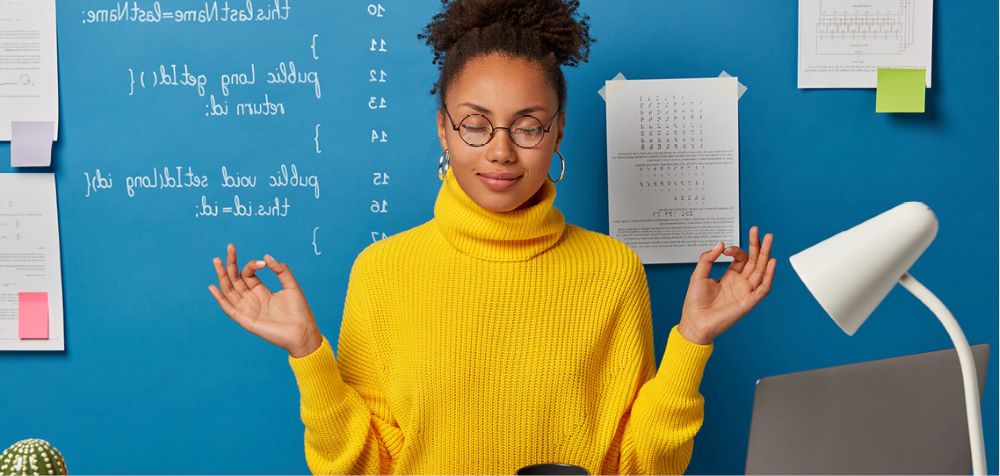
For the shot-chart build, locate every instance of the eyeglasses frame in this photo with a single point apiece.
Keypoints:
(495, 128)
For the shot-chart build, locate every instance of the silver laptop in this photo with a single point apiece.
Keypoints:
(892, 416)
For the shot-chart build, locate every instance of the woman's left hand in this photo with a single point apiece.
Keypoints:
(711, 307)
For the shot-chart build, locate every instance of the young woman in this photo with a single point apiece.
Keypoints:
(496, 335)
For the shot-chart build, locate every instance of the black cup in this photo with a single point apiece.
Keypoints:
(552, 468)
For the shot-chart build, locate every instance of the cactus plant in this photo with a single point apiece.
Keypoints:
(31, 456)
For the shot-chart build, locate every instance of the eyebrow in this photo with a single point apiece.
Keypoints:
(481, 109)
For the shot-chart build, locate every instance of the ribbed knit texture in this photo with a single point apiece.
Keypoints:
(481, 342)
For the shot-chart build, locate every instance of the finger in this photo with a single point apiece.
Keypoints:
(248, 276)
(283, 272)
(765, 252)
(765, 286)
(754, 251)
(224, 303)
(228, 308)
(739, 258)
(705, 261)
(225, 284)
(762, 263)
(233, 269)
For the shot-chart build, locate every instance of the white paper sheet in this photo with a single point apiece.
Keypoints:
(842, 43)
(673, 166)
(29, 87)
(29, 255)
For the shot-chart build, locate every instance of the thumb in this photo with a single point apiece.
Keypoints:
(705, 262)
(282, 271)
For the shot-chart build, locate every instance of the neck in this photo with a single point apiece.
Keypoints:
(516, 235)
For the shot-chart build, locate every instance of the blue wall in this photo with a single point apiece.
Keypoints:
(156, 379)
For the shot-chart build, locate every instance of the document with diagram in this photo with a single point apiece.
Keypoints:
(842, 43)
(29, 78)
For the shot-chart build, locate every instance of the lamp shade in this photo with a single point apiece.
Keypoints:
(851, 272)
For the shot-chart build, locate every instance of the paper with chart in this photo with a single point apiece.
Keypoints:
(29, 87)
(673, 166)
(842, 43)
(30, 273)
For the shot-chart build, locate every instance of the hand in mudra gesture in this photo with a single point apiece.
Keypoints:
(282, 318)
(712, 306)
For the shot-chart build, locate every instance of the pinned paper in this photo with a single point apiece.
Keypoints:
(842, 43)
(33, 315)
(706, 132)
(602, 92)
(739, 86)
(31, 143)
(900, 90)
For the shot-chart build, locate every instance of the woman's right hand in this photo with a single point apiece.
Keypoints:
(282, 318)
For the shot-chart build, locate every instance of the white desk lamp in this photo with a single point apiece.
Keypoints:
(851, 272)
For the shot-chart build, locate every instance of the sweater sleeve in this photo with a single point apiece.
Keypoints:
(348, 426)
(660, 425)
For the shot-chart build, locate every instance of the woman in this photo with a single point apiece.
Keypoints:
(496, 335)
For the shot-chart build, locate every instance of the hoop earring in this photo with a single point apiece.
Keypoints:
(562, 172)
(445, 162)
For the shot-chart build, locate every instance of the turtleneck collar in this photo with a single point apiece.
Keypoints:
(517, 235)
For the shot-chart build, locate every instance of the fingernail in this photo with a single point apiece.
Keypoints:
(717, 246)
(268, 256)
(261, 263)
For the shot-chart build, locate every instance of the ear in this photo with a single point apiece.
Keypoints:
(442, 123)
(562, 127)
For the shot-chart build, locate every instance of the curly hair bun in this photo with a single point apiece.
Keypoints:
(549, 27)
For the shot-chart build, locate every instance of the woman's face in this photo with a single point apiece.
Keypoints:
(502, 89)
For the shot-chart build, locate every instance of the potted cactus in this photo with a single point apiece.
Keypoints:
(31, 456)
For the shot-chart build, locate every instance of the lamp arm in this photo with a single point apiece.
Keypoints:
(969, 376)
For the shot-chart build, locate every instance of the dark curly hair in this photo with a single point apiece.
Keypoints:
(545, 31)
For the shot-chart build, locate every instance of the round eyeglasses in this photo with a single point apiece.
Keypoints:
(476, 130)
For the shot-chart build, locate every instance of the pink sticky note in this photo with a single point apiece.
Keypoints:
(31, 143)
(33, 315)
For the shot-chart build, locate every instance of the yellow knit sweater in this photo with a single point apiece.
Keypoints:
(480, 342)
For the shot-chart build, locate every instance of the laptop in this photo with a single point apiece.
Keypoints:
(891, 416)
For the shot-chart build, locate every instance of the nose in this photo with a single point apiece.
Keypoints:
(501, 149)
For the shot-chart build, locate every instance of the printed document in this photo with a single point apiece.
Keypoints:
(29, 88)
(30, 273)
(673, 166)
(843, 43)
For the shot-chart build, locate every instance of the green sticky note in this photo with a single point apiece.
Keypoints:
(900, 90)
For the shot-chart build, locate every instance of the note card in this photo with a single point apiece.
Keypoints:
(33, 315)
(31, 143)
(900, 90)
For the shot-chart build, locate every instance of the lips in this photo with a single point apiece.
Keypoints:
(499, 181)
(500, 175)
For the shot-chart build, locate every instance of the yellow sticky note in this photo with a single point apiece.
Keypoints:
(900, 90)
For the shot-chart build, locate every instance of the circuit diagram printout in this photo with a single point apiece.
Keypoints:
(842, 43)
